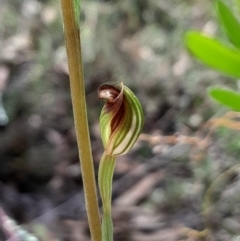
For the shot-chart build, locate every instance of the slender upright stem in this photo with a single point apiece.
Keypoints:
(105, 176)
(73, 45)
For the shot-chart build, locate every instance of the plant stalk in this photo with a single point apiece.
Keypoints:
(105, 176)
(73, 46)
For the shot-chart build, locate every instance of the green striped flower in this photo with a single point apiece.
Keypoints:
(121, 122)
(121, 119)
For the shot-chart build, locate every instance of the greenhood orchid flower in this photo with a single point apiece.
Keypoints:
(121, 119)
(121, 122)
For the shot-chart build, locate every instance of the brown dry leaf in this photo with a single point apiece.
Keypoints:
(227, 120)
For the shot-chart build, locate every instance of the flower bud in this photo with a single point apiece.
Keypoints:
(121, 119)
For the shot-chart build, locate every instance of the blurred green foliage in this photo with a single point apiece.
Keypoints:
(220, 56)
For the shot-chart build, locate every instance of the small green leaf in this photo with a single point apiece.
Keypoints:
(226, 97)
(213, 53)
(230, 23)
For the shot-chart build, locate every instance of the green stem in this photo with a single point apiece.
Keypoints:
(105, 176)
(73, 45)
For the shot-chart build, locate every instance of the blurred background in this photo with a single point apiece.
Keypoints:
(168, 187)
